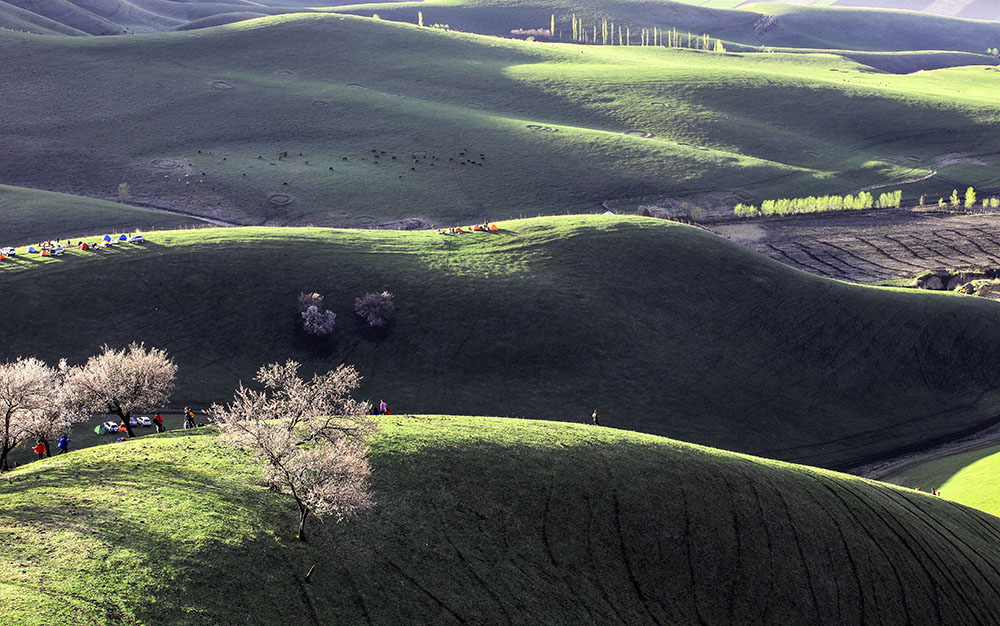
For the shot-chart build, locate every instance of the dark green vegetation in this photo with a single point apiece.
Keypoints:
(665, 328)
(30, 216)
(487, 521)
(251, 123)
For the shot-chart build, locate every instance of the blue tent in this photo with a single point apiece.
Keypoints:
(107, 237)
(123, 238)
(31, 249)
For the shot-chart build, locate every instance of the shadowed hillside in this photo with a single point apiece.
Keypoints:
(487, 521)
(664, 328)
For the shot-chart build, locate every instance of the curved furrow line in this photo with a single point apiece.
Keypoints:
(636, 587)
(416, 583)
(548, 546)
(795, 262)
(937, 242)
(884, 253)
(766, 608)
(909, 548)
(690, 557)
(872, 541)
(468, 566)
(595, 568)
(855, 574)
(882, 268)
(988, 236)
(805, 250)
(952, 538)
(802, 557)
(905, 247)
(971, 241)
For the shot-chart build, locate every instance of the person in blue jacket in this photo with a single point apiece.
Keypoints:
(63, 444)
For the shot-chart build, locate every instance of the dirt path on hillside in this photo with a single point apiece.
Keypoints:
(888, 469)
(194, 216)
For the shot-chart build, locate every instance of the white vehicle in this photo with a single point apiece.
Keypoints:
(111, 426)
(144, 421)
(8, 251)
(56, 251)
(136, 239)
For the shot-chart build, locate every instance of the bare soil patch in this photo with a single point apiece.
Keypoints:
(221, 84)
(543, 129)
(640, 133)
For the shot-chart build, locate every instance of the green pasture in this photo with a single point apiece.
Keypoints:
(967, 477)
(485, 521)
(664, 328)
(480, 128)
(31, 216)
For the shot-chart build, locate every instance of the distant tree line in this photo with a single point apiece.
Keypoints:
(820, 204)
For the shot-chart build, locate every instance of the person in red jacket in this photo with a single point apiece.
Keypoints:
(158, 422)
(40, 450)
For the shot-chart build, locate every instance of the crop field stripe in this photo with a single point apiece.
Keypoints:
(884, 252)
(806, 251)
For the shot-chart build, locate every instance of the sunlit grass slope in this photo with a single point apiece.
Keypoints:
(487, 521)
(30, 216)
(968, 477)
(252, 123)
(663, 328)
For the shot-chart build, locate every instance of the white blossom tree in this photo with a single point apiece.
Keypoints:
(308, 437)
(25, 389)
(315, 319)
(375, 308)
(55, 416)
(123, 381)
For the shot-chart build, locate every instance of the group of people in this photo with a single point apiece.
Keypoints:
(458, 230)
(42, 449)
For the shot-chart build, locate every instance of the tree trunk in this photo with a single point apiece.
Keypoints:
(303, 514)
(48, 450)
(3, 459)
(125, 420)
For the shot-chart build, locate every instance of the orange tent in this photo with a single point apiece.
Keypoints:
(494, 228)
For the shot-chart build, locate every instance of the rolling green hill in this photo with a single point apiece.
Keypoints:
(664, 328)
(487, 521)
(252, 123)
(30, 216)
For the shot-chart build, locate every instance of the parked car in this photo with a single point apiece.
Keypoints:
(136, 239)
(8, 251)
(144, 421)
(111, 426)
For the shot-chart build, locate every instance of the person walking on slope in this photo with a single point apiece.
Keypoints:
(383, 408)
(63, 444)
(188, 418)
(40, 450)
(158, 422)
(594, 417)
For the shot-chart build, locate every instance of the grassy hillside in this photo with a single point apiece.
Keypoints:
(30, 216)
(664, 328)
(968, 477)
(466, 118)
(757, 24)
(487, 521)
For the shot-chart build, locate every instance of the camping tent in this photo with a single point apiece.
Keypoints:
(32, 250)
(107, 237)
(123, 238)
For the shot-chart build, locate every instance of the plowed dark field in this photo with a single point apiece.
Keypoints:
(875, 245)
